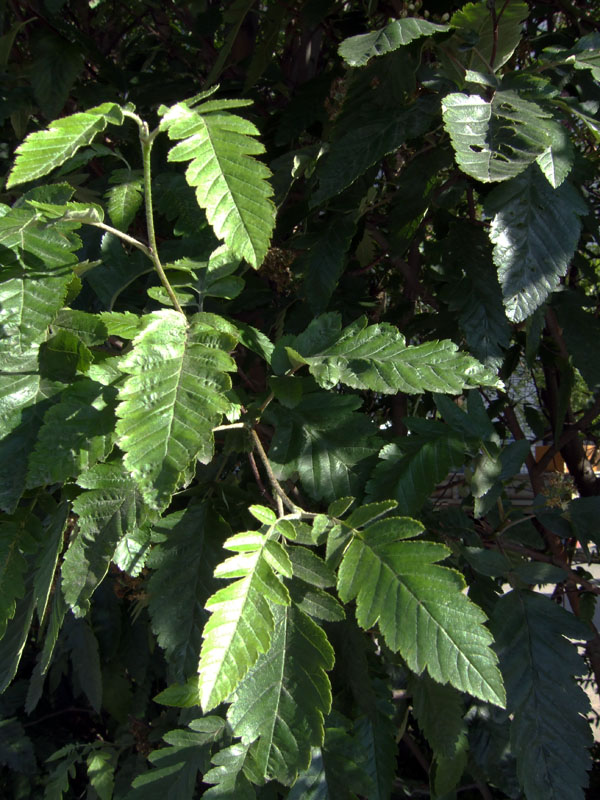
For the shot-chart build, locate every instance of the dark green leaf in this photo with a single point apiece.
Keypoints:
(357, 50)
(110, 509)
(549, 733)
(535, 230)
(182, 581)
(441, 630)
(325, 442)
(281, 702)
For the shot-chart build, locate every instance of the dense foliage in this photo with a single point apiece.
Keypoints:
(289, 294)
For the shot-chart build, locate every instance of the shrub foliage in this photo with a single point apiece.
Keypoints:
(277, 358)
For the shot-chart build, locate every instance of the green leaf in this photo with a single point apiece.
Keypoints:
(337, 769)
(325, 260)
(376, 732)
(357, 50)
(43, 151)
(241, 623)
(579, 326)
(110, 509)
(476, 297)
(550, 736)
(411, 469)
(439, 710)
(310, 567)
(583, 515)
(441, 631)
(535, 230)
(85, 658)
(56, 65)
(231, 186)
(557, 159)
(176, 771)
(363, 145)
(495, 140)
(15, 637)
(101, 763)
(181, 582)
(227, 774)
(16, 748)
(88, 327)
(281, 703)
(24, 398)
(59, 779)
(325, 442)
(474, 27)
(17, 538)
(47, 556)
(75, 434)
(377, 358)
(173, 396)
(124, 198)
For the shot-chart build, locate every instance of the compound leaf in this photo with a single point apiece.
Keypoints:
(17, 538)
(281, 703)
(241, 622)
(420, 606)
(43, 151)
(227, 775)
(231, 185)
(171, 399)
(439, 710)
(550, 736)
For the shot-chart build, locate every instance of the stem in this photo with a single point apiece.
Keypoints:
(267, 465)
(124, 236)
(147, 140)
(280, 495)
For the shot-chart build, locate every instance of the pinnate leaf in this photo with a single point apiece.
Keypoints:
(241, 623)
(231, 185)
(376, 357)
(550, 736)
(171, 399)
(43, 151)
(420, 606)
(75, 434)
(411, 469)
(281, 703)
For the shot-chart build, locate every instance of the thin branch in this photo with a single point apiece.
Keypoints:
(147, 139)
(275, 483)
(259, 483)
(125, 237)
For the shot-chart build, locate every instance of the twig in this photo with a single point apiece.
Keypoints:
(259, 483)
